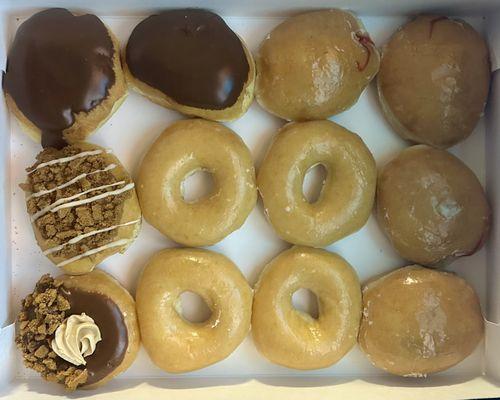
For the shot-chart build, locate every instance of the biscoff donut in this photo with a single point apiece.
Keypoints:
(175, 344)
(347, 196)
(418, 321)
(182, 149)
(294, 339)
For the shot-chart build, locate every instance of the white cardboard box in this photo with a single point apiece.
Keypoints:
(246, 374)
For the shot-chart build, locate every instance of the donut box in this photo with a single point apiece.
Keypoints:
(135, 126)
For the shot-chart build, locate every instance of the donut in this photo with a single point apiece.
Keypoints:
(63, 78)
(314, 65)
(431, 206)
(292, 338)
(418, 321)
(78, 331)
(347, 196)
(190, 61)
(175, 344)
(183, 149)
(434, 80)
(82, 206)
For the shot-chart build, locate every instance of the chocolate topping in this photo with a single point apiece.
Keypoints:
(109, 352)
(59, 65)
(191, 56)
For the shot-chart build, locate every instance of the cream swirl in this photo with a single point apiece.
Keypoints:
(76, 338)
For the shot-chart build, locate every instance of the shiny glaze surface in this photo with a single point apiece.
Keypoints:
(292, 338)
(59, 65)
(175, 344)
(418, 321)
(191, 55)
(434, 80)
(347, 196)
(186, 147)
(431, 206)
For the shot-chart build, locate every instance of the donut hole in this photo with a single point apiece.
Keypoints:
(197, 185)
(314, 181)
(306, 301)
(192, 307)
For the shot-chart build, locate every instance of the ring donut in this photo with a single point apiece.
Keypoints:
(294, 339)
(347, 196)
(182, 149)
(175, 344)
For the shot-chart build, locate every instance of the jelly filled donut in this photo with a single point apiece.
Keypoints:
(347, 196)
(82, 206)
(189, 60)
(431, 206)
(418, 321)
(315, 65)
(79, 331)
(175, 344)
(63, 77)
(434, 80)
(182, 149)
(292, 338)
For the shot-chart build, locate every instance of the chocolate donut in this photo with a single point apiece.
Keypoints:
(63, 77)
(191, 61)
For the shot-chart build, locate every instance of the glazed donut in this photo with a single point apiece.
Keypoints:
(431, 206)
(189, 60)
(177, 345)
(95, 310)
(82, 205)
(346, 199)
(315, 65)
(434, 80)
(64, 77)
(182, 149)
(294, 339)
(418, 321)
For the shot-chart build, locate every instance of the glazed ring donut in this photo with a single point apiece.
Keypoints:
(182, 149)
(347, 196)
(177, 345)
(292, 338)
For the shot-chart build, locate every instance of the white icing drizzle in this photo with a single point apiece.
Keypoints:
(55, 204)
(74, 180)
(69, 158)
(116, 243)
(76, 239)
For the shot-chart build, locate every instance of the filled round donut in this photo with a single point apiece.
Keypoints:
(347, 196)
(418, 321)
(182, 149)
(315, 65)
(189, 60)
(78, 331)
(175, 344)
(292, 338)
(434, 80)
(431, 206)
(82, 206)
(63, 76)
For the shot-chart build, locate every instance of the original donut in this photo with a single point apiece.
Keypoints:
(182, 149)
(293, 338)
(347, 196)
(177, 345)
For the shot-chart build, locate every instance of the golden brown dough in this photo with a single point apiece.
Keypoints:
(418, 321)
(315, 65)
(294, 339)
(175, 344)
(431, 206)
(434, 79)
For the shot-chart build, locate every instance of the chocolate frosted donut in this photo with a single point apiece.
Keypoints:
(63, 76)
(79, 331)
(191, 61)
